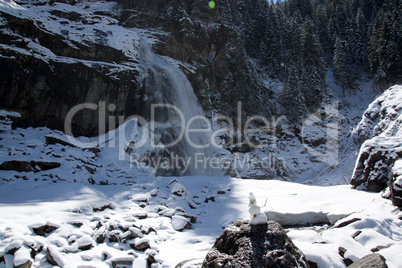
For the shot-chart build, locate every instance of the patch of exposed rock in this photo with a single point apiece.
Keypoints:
(263, 245)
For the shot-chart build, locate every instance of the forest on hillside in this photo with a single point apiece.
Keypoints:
(295, 42)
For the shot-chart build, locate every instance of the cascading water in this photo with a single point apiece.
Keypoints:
(170, 103)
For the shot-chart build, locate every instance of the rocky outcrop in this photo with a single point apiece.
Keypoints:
(375, 161)
(263, 245)
(49, 70)
(374, 260)
(396, 184)
(379, 133)
(25, 166)
(46, 74)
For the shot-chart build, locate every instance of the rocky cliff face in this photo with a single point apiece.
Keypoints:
(57, 55)
(54, 58)
(379, 133)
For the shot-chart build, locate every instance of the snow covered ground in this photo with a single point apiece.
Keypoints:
(95, 211)
(151, 203)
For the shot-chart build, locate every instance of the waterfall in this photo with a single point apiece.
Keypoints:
(165, 84)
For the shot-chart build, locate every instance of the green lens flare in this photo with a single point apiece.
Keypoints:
(211, 4)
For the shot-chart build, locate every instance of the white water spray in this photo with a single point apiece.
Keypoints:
(164, 83)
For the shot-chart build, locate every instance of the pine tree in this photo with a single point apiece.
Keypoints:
(386, 42)
(360, 41)
(342, 64)
(322, 18)
(313, 71)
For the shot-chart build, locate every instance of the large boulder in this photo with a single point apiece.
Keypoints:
(374, 260)
(375, 161)
(395, 184)
(380, 135)
(17, 165)
(263, 245)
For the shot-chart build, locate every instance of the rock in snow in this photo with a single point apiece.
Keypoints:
(180, 223)
(374, 260)
(54, 257)
(380, 133)
(396, 184)
(263, 245)
(22, 257)
(376, 158)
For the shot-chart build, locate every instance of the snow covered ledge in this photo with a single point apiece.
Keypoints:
(293, 204)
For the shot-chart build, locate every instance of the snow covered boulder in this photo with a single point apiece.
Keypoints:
(380, 135)
(22, 258)
(54, 257)
(396, 184)
(180, 223)
(383, 117)
(375, 161)
(263, 245)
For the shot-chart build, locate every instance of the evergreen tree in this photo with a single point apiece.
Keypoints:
(313, 71)
(342, 64)
(360, 41)
(386, 42)
(322, 18)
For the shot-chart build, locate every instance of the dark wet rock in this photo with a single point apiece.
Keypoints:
(192, 218)
(17, 165)
(341, 252)
(141, 245)
(102, 207)
(122, 262)
(100, 238)
(114, 236)
(346, 223)
(91, 170)
(50, 139)
(42, 230)
(45, 165)
(209, 198)
(245, 245)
